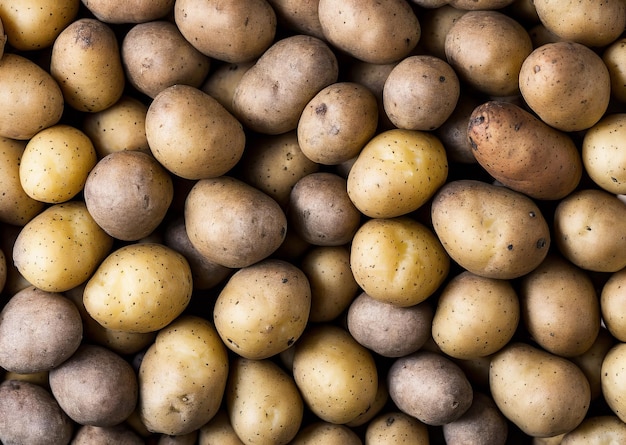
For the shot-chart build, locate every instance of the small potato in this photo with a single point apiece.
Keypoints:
(38, 331)
(487, 50)
(218, 430)
(96, 435)
(490, 230)
(482, 424)
(263, 402)
(472, 5)
(182, 115)
(95, 387)
(369, 30)
(604, 153)
(263, 309)
(29, 414)
(379, 403)
(566, 84)
(430, 387)
(139, 287)
(56, 162)
(590, 361)
(421, 93)
(233, 224)
(299, 16)
(398, 260)
(522, 152)
(590, 230)
(436, 22)
(271, 95)
(475, 316)
(30, 98)
(387, 329)
(337, 123)
(86, 63)
(597, 430)
(396, 428)
(541, 393)
(453, 132)
(613, 58)
(321, 212)
(336, 376)
(61, 247)
(182, 377)
(155, 55)
(133, 11)
(326, 433)
(612, 380)
(222, 82)
(613, 302)
(397, 172)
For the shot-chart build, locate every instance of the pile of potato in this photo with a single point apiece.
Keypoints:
(312, 222)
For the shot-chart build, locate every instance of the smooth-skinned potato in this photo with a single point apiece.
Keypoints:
(218, 430)
(396, 427)
(613, 58)
(300, 16)
(482, 424)
(97, 435)
(612, 300)
(327, 433)
(604, 153)
(612, 380)
(597, 430)
(133, 11)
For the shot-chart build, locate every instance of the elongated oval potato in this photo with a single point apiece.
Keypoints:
(522, 152)
(490, 230)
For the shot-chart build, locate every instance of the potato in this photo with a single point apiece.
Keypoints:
(336, 376)
(222, 82)
(475, 316)
(590, 361)
(155, 55)
(430, 387)
(29, 414)
(613, 58)
(263, 309)
(421, 93)
(3, 270)
(299, 16)
(61, 247)
(128, 194)
(327, 433)
(233, 224)
(182, 377)
(263, 402)
(55, 163)
(379, 403)
(597, 430)
(337, 123)
(539, 392)
(612, 304)
(96, 435)
(560, 308)
(3, 39)
(39, 330)
(612, 381)
(15, 281)
(86, 63)
(35, 24)
(435, 23)
(487, 50)
(16, 206)
(453, 132)
(135, 11)
(396, 427)
(482, 423)
(182, 115)
(604, 154)
(480, 4)
(369, 31)
(566, 84)
(233, 32)
(31, 99)
(271, 96)
(490, 230)
(522, 152)
(181, 439)
(139, 288)
(588, 23)
(590, 230)
(387, 329)
(95, 387)
(397, 172)
(218, 430)
(398, 260)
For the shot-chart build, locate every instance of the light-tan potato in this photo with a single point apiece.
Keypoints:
(379, 403)
(473, 5)
(436, 22)
(590, 361)
(218, 430)
(300, 16)
(482, 423)
(222, 82)
(597, 430)
(120, 434)
(604, 153)
(396, 427)
(453, 132)
(612, 304)
(327, 433)
(3, 39)
(133, 11)
(613, 58)
(611, 379)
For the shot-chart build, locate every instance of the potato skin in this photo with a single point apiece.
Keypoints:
(95, 435)
(597, 430)
(482, 424)
(604, 153)
(394, 428)
(522, 152)
(133, 11)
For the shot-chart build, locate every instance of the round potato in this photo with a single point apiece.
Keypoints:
(435, 23)
(613, 58)
(612, 303)
(611, 380)
(397, 172)
(453, 132)
(566, 84)
(95, 387)
(299, 16)
(30, 97)
(490, 230)
(396, 427)
(139, 288)
(133, 11)
(222, 82)
(218, 430)
(56, 162)
(263, 309)
(327, 433)
(590, 361)
(596, 430)
(39, 330)
(398, 261)
(336, 376)
(120, 434)
(61, 247)
(604, 153)
(182, 115)
(482, 424)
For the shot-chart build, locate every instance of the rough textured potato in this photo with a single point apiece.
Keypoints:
(396, 428)
(133, 11)
(604, 153)
(482, 424)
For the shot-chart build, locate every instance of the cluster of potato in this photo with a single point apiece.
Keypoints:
(312, 222)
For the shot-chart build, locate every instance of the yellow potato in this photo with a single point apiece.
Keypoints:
(129, 11)
(597, 430)
(613, 58)
(396, 427)
(604, 153)
(590, 361)
(482, 422)
(218, 430)
(612, 380)
(327, 433)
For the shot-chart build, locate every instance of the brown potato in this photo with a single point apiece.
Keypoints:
(132, 11)
(482, 423)
(436, 23)
(300, 16)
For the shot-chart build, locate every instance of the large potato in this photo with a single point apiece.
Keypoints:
(490, 230)
(182, 377)
(139, 288)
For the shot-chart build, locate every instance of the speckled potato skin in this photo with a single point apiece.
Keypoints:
(336, 376)
(522, 152)
(326, 433)
(135, 11)
(396, 427)
(397, 172)
(61, 247)
(121, 434)
(541, 393)
(218, 430)
(182, 377)
(490, 230)
(482, 424)
(604, 153)
(597, 430)
(612, 302)
(139, 287)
